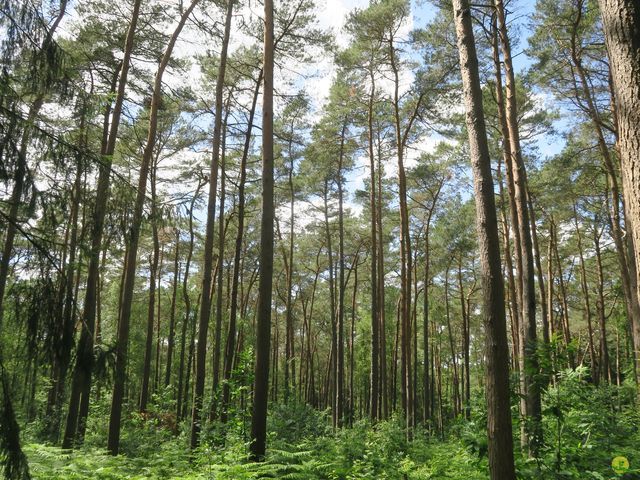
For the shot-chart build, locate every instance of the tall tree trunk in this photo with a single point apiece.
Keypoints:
(566, 330)
(427, 380)
(604, 365)
(352, 335)
(81, 383)
(550, 276)
(514, 288)
(585, 294)
(220, 281)
(187, 300)
(172, 315)
(455, 382)
(62, 354)
(512, 292)
(159, 340)
(383, 399)
(332, 372)
(544, 308)
(188, 389)
(531, 391)
(500, 439)
(113, 442)
(405, 246)
(375, 339)
(466, 343)
(339, 393)
(207, 266)
(263, 334)
(153, 271)
(237, 265)
(621, 22)
(289, 350)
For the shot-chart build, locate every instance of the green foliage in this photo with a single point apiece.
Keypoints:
(57, 464)
(293, 423)
(585, 427)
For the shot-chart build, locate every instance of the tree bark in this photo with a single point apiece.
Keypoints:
(113, 442)
(375, 359)
(466, 344)
(207, 276)
(263, 334)
(220, 272)
(585, 297)
(187, 300)
(529, 366)
(153, 270)
(621, 23)
(237, 265)
(81, 383)
(341, 285)
(604, 365)
(172, 315)
(497, 355)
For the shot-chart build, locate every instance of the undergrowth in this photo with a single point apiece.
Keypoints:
(584, 427)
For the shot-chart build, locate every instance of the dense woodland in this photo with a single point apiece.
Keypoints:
(384, 240)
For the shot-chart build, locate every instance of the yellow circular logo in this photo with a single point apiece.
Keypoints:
(620, 464)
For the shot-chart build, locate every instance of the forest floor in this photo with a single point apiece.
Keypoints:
(585, 428)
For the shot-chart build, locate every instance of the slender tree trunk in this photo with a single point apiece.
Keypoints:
(426, 380)
(190, 361)
(187, 301)
(500, 439)
(172, 315)
(531, 390)
(237, 265)
(263, 334)
(405, 249)
(207, 277)
(341, 285)
(511, 284)
(466, 342)
(550, 276)
(354, 307)
(153, 271)
(383, 387)
(541, 287)
(455, 381)
(585, 294)
(604, 365)
(113, 442)
(333, 370)
(375, 339)
(515, 288)
(289, 350)
(158, 359)
(566, 331)
(220, 281)
(68, 308)
(232, 332)
(81, 383)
